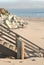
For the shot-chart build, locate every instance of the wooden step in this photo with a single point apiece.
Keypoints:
(8, 45)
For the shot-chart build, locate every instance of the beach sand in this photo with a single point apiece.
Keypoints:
(32, 61)
(34, 32)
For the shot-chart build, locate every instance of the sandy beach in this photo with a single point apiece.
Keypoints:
(34, 32)
(32, 61)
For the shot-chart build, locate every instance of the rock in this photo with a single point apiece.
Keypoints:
(12, 21)
(3, 11)
(8, 23)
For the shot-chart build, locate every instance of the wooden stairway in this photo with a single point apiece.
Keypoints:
(8, 40)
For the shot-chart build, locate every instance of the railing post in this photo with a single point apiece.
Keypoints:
(16, 40)
(20, 49)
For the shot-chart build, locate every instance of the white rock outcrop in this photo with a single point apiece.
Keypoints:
(12, 21)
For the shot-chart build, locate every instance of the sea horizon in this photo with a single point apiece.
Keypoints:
(30, 12)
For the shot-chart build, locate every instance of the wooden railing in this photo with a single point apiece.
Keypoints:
(20, 41)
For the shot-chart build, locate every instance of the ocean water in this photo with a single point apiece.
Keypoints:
(27, 12)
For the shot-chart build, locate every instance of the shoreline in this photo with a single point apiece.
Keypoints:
(40, 19)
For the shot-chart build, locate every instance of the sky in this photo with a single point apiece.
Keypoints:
(21, 4)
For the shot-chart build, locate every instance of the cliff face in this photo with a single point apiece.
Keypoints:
(3, 11)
